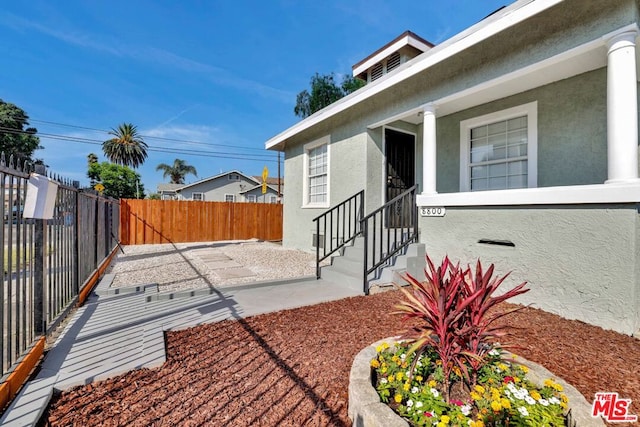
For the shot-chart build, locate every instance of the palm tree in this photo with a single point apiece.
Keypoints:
(177, 171)
(127, 147)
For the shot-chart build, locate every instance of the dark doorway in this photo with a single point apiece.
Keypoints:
(400, 152)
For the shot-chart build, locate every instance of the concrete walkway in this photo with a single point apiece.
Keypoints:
(122, 329)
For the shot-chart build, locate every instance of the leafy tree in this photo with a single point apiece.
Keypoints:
(177, 171)
(92, 158)
(120, 182)
(16, 138)
(324, 91)
(126, 148)
(153, 196)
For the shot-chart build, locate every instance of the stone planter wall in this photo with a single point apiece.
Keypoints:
(366, 409)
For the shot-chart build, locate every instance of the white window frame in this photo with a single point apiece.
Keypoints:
(531, 111)
(273, 199)
(325, 140)
(232, 196)
(251, 198)
(193, 196)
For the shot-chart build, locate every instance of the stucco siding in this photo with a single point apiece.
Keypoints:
(215, 190)
(572, 133)
(347, 175)
(580, 262)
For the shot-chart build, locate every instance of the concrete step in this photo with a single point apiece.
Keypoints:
(412, 262)
(346, 277)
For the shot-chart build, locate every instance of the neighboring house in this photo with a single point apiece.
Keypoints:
(168, 191)
(523, 130)
(232, 186)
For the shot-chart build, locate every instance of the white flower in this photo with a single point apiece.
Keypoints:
(554, 400)
(507, 393)
(523, 411)
(419, 364)
(494, 352)
(418, 404)
(530, 400)
(383, 381)
(543, 402)
(403, 356)
(414, 389)
(409, 403)
(465, 409)
(435, 392)
(408, 374)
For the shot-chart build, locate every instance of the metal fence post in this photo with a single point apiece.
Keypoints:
(76, 248)
(40, 243)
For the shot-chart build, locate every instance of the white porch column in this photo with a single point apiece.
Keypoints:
(622, 108)
(429, 150)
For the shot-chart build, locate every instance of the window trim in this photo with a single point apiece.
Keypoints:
(233, 197)
(531, 111)
(251, 198)
(273, 198)
(325, 140)
(201, 195)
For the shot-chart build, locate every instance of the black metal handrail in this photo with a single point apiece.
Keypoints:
(333, 235)
(398, 218)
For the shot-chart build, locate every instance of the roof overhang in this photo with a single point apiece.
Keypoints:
(586, 57)
(490, 26)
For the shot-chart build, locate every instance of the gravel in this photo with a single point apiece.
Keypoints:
(204, 264)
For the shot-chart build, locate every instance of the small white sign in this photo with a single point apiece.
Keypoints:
(431, 211)
(41, 197)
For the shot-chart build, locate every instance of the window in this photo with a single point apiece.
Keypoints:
(273, 199)
(251, 198)
(234, 177)
(229, 197)
(499, 151)
(316, 173)
(197, 196)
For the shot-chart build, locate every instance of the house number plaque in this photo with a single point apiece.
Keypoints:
(431, 211)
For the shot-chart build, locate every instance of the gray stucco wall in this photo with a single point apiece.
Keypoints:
(581, 262)
(572, 132)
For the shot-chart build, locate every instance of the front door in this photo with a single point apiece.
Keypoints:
(400, 152)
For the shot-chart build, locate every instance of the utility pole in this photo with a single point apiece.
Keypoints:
(279, 194)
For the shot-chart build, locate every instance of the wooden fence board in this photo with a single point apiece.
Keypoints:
(179, 221)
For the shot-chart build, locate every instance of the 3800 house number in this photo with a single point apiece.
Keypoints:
(432, 211)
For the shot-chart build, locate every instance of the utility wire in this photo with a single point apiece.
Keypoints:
(199, 153)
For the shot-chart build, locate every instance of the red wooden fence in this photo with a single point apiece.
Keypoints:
(177, 221)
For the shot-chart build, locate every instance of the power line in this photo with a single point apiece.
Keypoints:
(200, 153)
(239, 147)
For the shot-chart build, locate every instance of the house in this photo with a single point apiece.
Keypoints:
(231, 186)
(516, 140)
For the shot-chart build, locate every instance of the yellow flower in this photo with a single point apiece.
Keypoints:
(558, 387)
(502, 366)
(457, 371)
(495, 405)
(505, 403)
(404, 364)
(516, 379)
(479, 388)
(399, 376)
(418, 378)
(384, 368)
(395, 358)
(563, 405)
(478, 423)
(535, 395)
(406, 386)
(432, 384)
(375, 363)
(524, 369)
(397, 398)
(391, 378)
(495, 393)
(441, 424)
(564, 398)
(385, 345)
(475, 395)
(490, 380)
(445, 419)
(379, 349)
(548, 383)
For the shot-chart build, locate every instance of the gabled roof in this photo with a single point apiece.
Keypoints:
(407, 38)
(274, 189)
(270, 180)
(493, 24)
(213, 178)
(168, 187)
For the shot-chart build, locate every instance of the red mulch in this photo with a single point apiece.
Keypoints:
(291, 368)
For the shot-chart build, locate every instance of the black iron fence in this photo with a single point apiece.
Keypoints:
(47, 263)
(387, 231)
(337, 227)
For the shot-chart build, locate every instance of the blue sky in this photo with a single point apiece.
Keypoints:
(209, 81)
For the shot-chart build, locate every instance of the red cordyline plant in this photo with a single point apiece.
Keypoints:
(453, 307)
